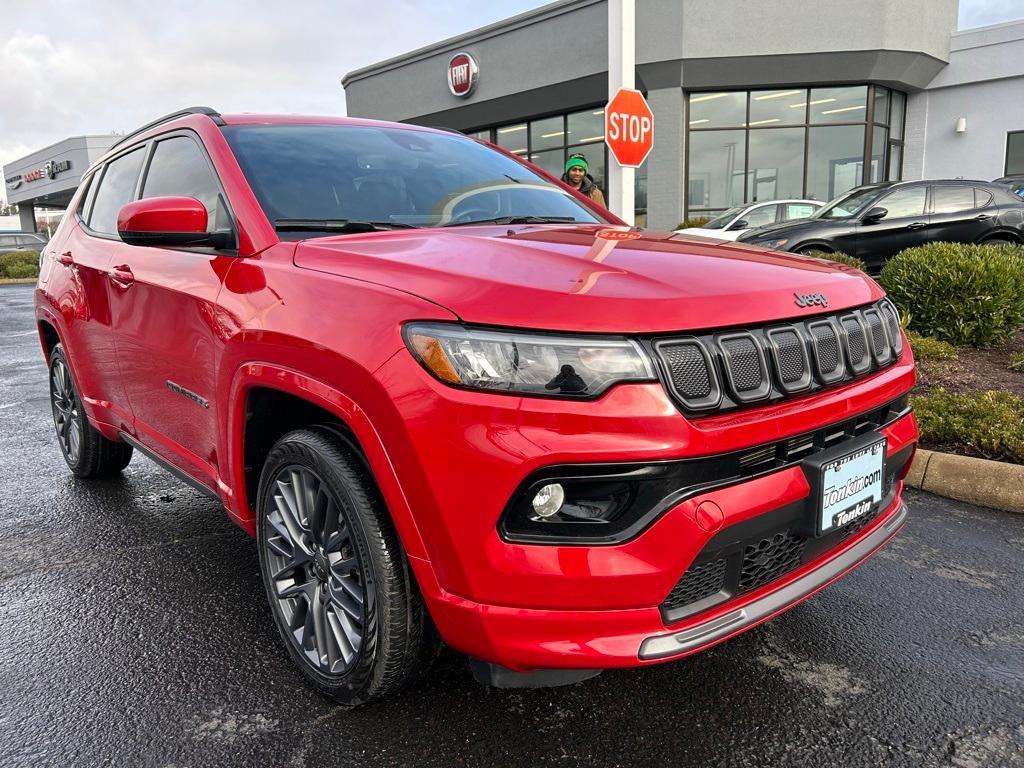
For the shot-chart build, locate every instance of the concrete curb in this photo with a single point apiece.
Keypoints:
(18, 280)
(983, 482)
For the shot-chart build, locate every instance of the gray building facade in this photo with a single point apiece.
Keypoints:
(752, 101)
(49, 177)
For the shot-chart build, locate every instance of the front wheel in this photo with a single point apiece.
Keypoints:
(337, 580)
(87, 452)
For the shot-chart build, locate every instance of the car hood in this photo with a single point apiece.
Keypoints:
(587, 278)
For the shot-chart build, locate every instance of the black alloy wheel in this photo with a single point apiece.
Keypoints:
(339, 585)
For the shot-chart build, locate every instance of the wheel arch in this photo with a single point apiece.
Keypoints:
(268, 400)
(1002, 234)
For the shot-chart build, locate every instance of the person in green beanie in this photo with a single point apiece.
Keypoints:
(577, 176)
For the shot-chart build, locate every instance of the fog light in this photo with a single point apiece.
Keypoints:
(549, 500)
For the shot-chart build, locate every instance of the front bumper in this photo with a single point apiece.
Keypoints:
(461, 455)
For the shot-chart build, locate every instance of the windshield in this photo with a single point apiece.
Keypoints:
(850, 204)
(722, 219)
(389, 176)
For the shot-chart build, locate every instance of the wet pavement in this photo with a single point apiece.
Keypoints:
(134, 631)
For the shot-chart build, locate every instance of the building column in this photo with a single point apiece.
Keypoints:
(27, 214)
(665, 182)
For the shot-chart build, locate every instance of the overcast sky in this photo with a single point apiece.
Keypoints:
(70, 67)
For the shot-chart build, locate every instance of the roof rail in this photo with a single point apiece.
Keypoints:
(211, 113)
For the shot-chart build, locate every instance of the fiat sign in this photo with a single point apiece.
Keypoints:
(462, 74)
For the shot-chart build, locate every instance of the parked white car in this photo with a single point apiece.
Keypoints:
(735, 221)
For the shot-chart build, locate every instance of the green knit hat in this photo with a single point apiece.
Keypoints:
(577, 161)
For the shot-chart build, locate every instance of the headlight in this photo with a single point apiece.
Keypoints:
(526, 363)
(772, 244)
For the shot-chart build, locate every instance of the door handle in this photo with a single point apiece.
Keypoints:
(121, 275)
(983, 217)
(916, 225)
(65, 259)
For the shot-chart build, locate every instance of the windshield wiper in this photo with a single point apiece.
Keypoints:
(337, 225)
(516, 220)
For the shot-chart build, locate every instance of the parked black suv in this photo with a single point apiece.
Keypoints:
(878, 221)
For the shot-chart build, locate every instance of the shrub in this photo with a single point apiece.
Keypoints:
(963, 294)
(1017, 362)
(697, 221)
(990, 424)
(840, 258)
(928, 348)
(19, 264)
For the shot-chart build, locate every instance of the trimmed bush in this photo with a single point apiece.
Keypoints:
(19, 264)
(928, 348)
(964, 294)
(697, 221)
(988, 424)
(840, 258)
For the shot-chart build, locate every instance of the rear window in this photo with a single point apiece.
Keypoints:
(407, 177)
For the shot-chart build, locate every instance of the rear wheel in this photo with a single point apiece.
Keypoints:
(86, 451)
(1000, 242)
(337, 580)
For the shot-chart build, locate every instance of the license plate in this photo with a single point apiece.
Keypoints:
(851, 486)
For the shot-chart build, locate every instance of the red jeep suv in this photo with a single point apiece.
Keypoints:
(453, 399)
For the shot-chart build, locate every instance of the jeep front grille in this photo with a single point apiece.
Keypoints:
(720, 371)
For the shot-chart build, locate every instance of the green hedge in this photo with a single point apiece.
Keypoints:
(1017, 362)
(963, 294)
(840, 258)
(19, 264)
(989, 424)
(927, 348)
(697, 221)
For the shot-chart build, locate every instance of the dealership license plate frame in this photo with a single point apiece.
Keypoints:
(861, 455)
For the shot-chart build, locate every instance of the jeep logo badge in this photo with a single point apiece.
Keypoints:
(811, 299)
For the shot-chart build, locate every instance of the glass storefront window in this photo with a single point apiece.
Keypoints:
(1015, 152)
(552, 161)
(776, 164)
(482, 135)
(717, 161)
(847, 104)
(878, 140)
(547, 133)
(513, 138)
(640, 188)
(835, 160)
(595, 162)
(898, 104)
(895, 162)
(585, 127)
(784, 107)
(718, 110)
(881, 105)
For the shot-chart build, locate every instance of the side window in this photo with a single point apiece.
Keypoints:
(982, 198)
(179, 168)
(952, 199)
(116, 188)
(759, 217)
(86, 202)
(903, 203)
(799, 211)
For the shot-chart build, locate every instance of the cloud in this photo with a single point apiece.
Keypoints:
(71, 68)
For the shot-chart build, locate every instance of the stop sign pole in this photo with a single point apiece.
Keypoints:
(621, 74)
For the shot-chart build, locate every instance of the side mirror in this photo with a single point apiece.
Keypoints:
(174, 222)
(876, 214)
(741, 224)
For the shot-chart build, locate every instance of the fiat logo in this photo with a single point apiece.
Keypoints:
(462, 74)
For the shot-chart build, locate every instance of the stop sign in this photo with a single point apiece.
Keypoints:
(629, 127)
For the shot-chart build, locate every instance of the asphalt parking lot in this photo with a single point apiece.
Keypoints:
(134, 631)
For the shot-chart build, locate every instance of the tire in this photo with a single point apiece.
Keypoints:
(340, 589)
(88, 453)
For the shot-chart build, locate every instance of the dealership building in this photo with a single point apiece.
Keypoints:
(49, 177)
(752, 101)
